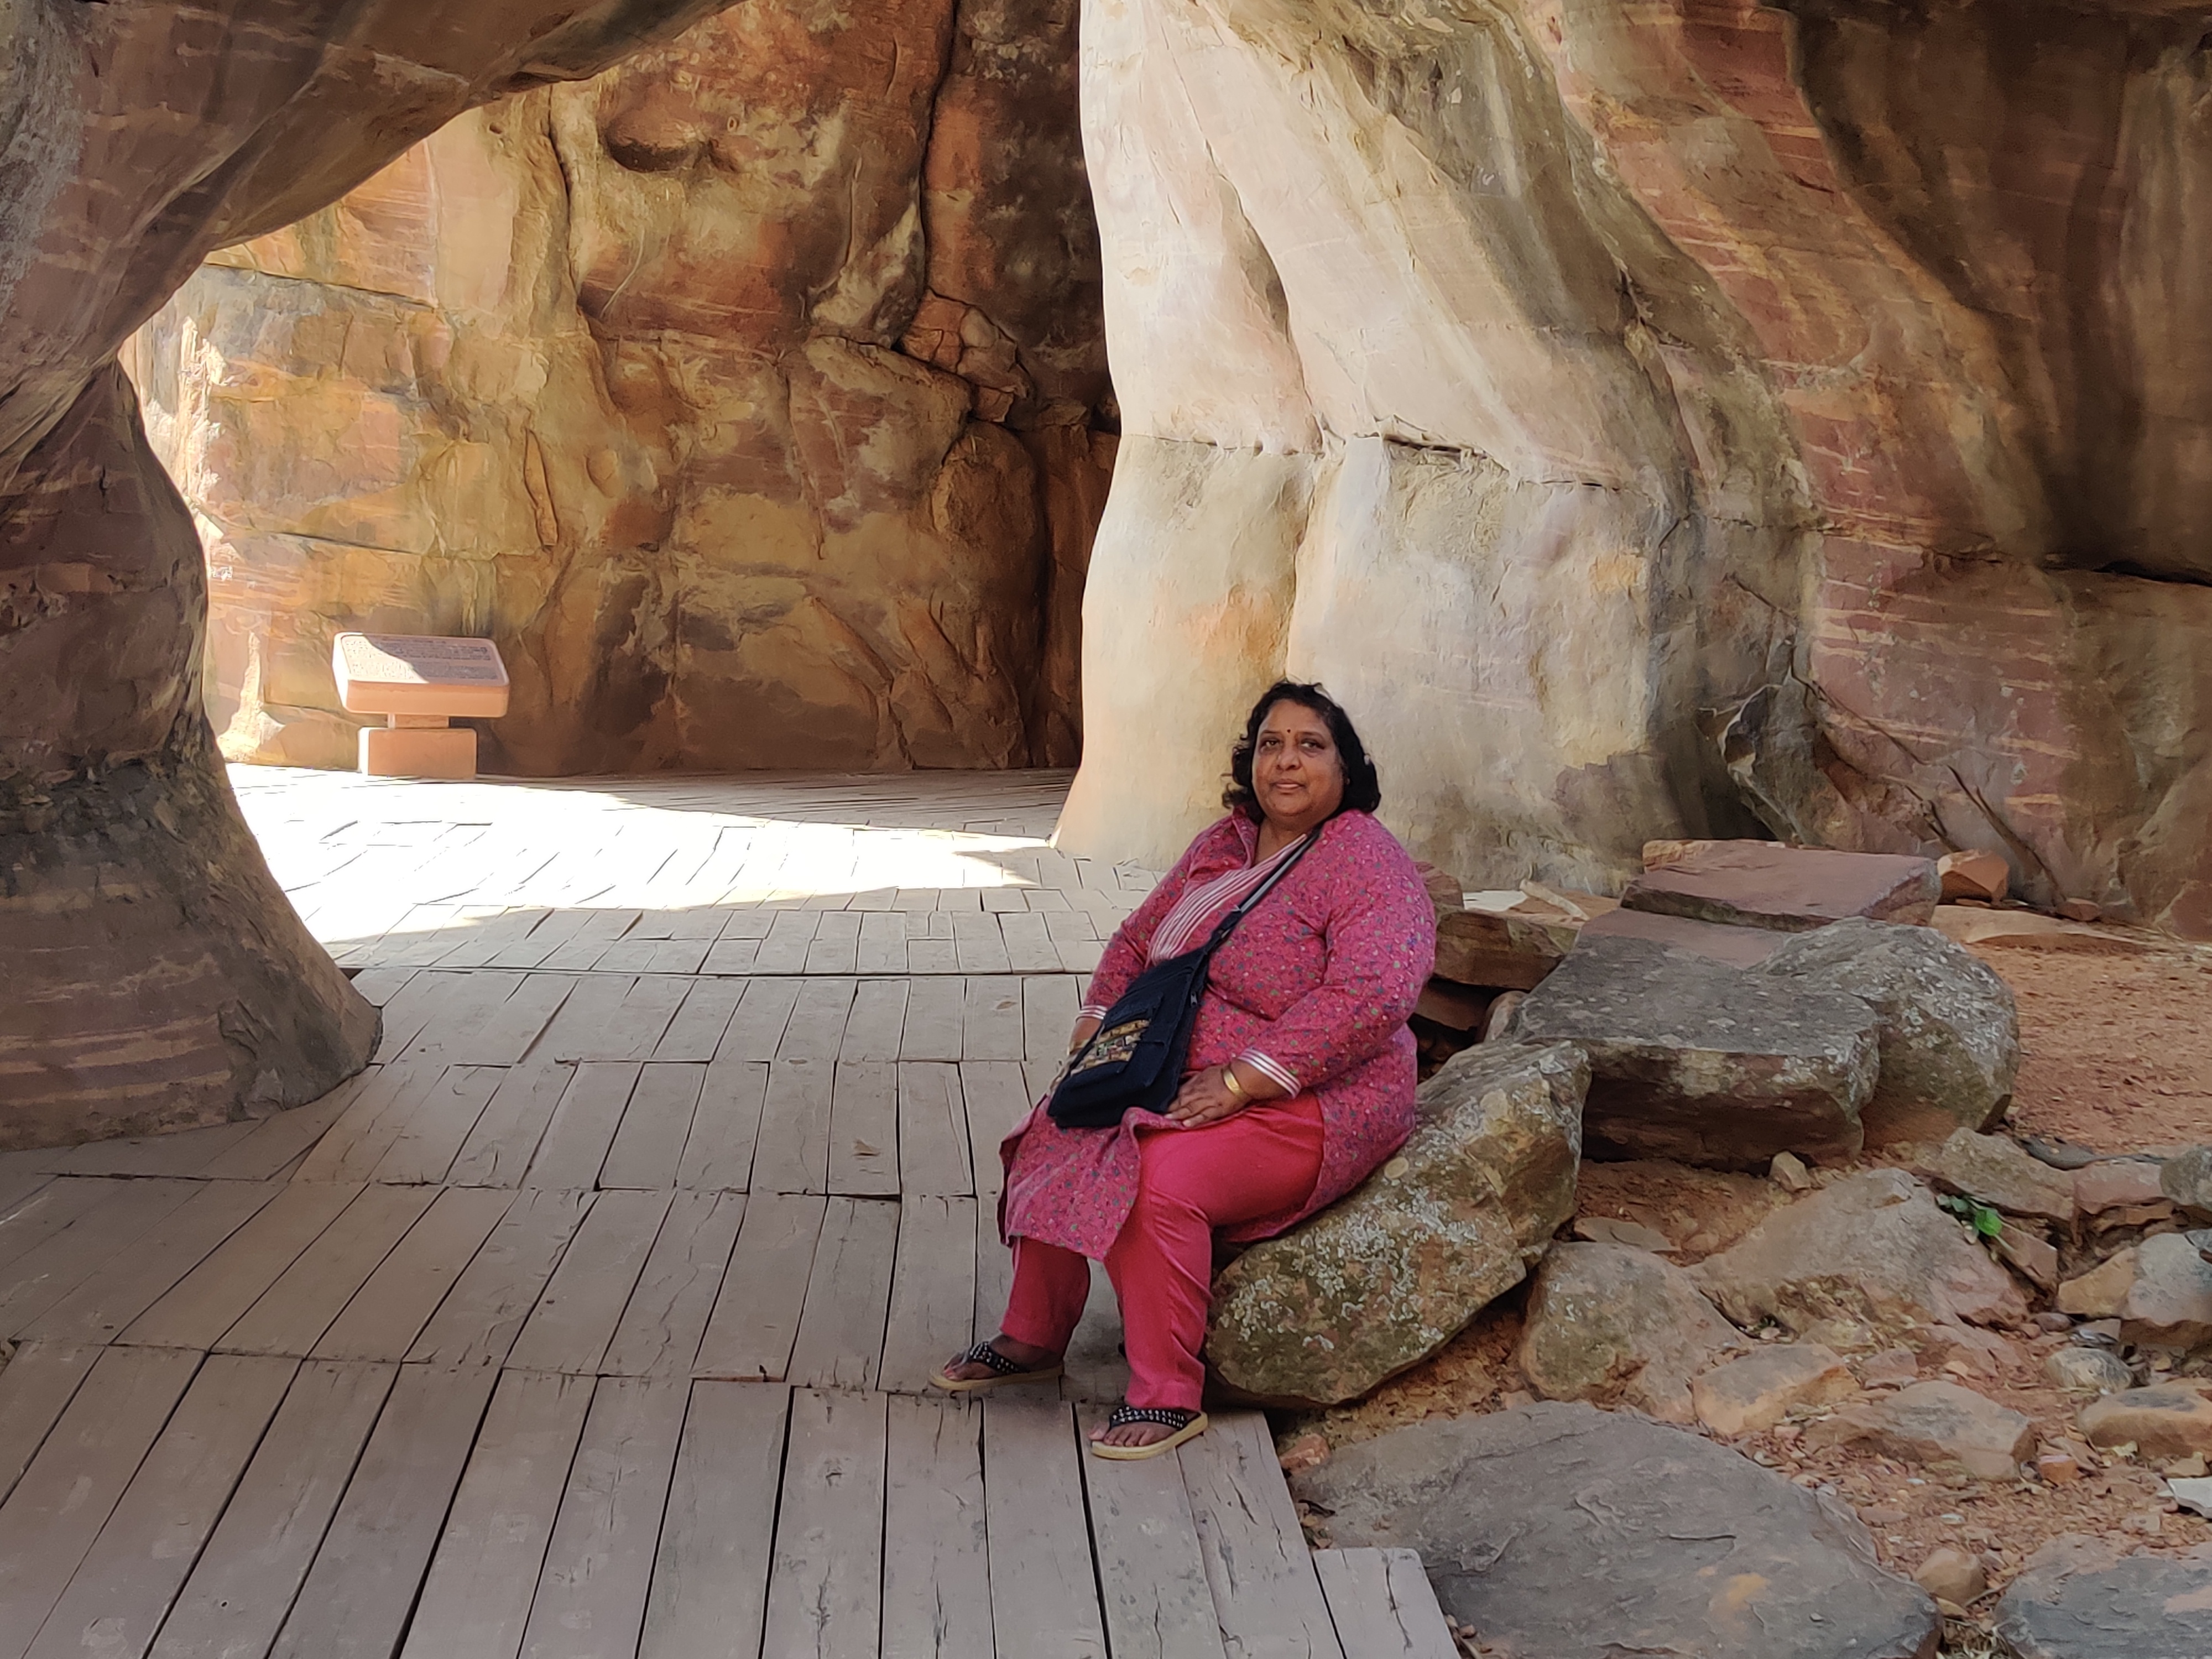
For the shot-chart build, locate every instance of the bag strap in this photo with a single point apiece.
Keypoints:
(1228, 923)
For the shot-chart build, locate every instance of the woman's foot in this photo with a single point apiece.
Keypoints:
(1139, 1431)
(1002, 1360)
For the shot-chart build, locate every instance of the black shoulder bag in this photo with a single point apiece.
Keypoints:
(1136, 1056)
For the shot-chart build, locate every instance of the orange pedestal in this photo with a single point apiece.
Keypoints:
(404, 751)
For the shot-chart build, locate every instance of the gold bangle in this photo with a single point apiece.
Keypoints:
(1229, 1082)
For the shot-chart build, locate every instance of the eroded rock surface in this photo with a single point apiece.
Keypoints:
(1610, 1324)
(2080, 1598)
(1938, 1425)
(1388, 1274)
(1700, 1062)
(1669, 1544)
(1868, 1254)
(743, 394)
(1949, 1032)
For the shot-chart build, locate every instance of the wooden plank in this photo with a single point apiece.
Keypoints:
(937, 1581)
(863, 1128)
(933, 1131)
(1095, 1369)
(934, 1013)
(996, 1096)
(1383, 1606)
(991, 1023)
(835, 946)
(468, 1001)
(792, 1153)
(1159, 1605)
(276, 1141)
(700, 1024)
(877, 1017)
(506, 1138)
(661, 1325)
(516, 1025)
(291, 1316)
(710, 1594)
(1044, 1594)
(575, 1318)
(477, 1598)
(380, 985)
(757, 1026)
(477, 1322)
(45, 1213)
(649, 1146)
(815, 1029)
(995, 1270)
(977, 946)
(353, 1146)
(408, 1009)
(574, 1032)
(1049, 1003)
(135, 1568)
(210, 1298)
(1029, 944)
(440, 1126)
(71, 1488)
(185, 1152)
(39, 1277)
(825, 1594)
(841, 1329)
(583, 1126)
(933, 1306)
(391, 1309)
(35, 1389)
(1265, 1597)
(598, 1568)
(756, 1316)
(133, 1279)
(632, 1031)
(726, 1127)
(882, 948)
(357, 1596)
(784, 950)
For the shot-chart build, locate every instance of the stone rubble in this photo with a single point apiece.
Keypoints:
(1758, 1390)
(1973, 875)
(1936, 1424)
(2170, 1419)
(2161, 1291)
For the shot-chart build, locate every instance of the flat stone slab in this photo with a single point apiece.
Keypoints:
(1697, 1061)
(418, 674)
(1936, 1425)
(1500, 952)
(1949, 1028)
(1738, 947)
(1761, 883)
(2080, 1598)
(1393, 1271)
(1564, 1532)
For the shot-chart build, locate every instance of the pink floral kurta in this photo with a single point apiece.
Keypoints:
(1315, 986)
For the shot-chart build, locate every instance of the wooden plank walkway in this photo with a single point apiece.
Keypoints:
(594, 1321)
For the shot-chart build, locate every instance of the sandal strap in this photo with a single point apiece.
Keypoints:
(1167, 1417)
(984, 1354)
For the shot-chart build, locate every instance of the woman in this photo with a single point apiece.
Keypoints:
(1300, 1082)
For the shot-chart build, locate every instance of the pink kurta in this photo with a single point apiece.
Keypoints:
(1314, 986)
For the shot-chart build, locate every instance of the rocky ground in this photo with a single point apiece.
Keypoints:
(1952, 1435)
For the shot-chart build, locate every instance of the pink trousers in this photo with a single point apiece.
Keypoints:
(1261, 1161)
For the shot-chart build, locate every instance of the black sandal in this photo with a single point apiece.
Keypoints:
(1187, 1425)
(1003, 1371)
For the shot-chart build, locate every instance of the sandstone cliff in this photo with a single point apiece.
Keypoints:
(744, 393)
(1660, 420)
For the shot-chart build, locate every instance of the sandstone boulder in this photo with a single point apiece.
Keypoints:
(1936, 1424)
(1993, 1170)
(1949, 1029)
(1571, 1533)
(1607, 1324)
(2161, 1291)
(1742, 1397)
(1952, 1575)
(1738, 947)
(1693, 1061)
(2113, 1183)
(2081, 1598)
(2187, 1180)
(1868, 1255)
(2088, 1370)
(1761, 883)
(1391, 1272)
(1503, 952)
(1974, 875)
(2169, 1420)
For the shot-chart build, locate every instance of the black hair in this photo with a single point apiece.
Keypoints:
(1363, 788)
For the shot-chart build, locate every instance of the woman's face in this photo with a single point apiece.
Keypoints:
(1298, 776)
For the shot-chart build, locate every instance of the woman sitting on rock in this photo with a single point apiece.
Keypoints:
(1299, 1081)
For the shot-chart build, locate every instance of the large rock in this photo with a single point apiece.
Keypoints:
(1762, 883)
(1693, 1061)
(1758, 1390)
(2169, 1420)
(2161, 1291)
(1868, 1255)
(1610, 1324)
(782, 357)
(1389, 1273)
(2186, 1180)
(1563, 1532)
(1737, 370)
(2079, 1598)
(1995, 1171)
(1949, 1031)
(1937, 1425)
(1738, 947)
